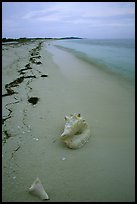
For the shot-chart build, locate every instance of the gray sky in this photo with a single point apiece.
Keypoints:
(60, 19)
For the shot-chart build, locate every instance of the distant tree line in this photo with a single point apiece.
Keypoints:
(19, 39)
(14, 39)
(27, 39)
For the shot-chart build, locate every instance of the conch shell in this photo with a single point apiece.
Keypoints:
(76, 132)
(38, 190)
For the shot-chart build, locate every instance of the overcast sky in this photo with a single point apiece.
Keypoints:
(60, 19)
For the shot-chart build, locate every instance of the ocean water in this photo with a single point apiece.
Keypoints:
(114, 55)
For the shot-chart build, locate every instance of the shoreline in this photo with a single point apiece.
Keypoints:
(103, 169)
(100, 67)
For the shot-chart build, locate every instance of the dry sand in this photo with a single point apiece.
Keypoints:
(103, 169)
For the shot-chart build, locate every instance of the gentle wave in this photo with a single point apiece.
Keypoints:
(117, 56)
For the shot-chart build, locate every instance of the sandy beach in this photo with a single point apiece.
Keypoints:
(103, 170)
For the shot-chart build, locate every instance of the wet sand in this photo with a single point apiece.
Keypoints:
(103, 169)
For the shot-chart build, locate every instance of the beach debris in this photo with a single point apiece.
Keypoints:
(8, 135)
(15, 82)
(12, 84)
(32, 60)
(29, 128)
(33, 76)
(38, 62)
(34, 53)
(27, 67)
(33, 100)
(35, 139)
(10, 111)
(35, 56)
(37, 189)
(4, 119)
(63, 158)
(22, 72)
(44, 75)
(9, 92)
(76, 132)
(15, 150)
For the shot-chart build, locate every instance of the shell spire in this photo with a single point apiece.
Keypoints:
(37, 189)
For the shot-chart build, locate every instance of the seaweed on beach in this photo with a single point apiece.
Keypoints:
(34, 53)
(15, 150)
(21, 71)
(38, 62)
(33, 100)
(32, 60)
(28, 66)
(9, 92)
(44, 75)
(36, 56)
(7, 135)
(33, 76)
(4, 119)
(25, 69)
(14, 83)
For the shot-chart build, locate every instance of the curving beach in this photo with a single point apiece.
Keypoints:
(103, 170)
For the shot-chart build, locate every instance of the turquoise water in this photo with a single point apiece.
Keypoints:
(115, 55)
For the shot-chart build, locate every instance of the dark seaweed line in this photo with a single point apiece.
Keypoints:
(14, 151)
(15, 83)
(10, 91)
(10, 111)
(19, 80)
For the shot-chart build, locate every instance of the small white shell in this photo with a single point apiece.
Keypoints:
(76, 132)
(38, 190)
(63, 158)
